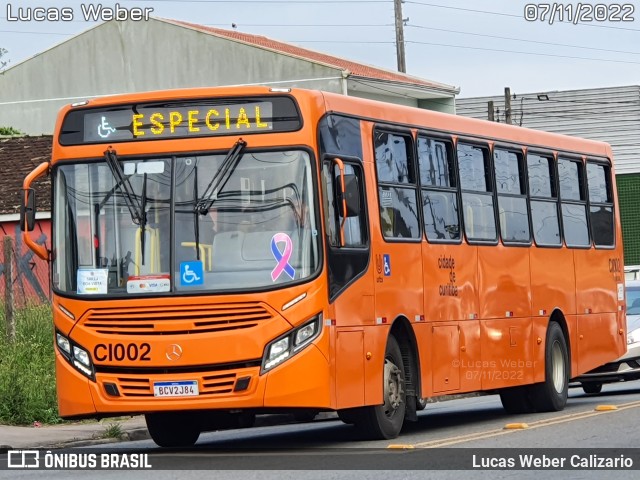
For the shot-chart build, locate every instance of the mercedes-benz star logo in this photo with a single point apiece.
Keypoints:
(173, 352)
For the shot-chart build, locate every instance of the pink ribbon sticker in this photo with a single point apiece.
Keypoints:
(282, 257)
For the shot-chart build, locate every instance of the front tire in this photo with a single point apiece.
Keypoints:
(551, 395)
(173, 429)
(383, 422)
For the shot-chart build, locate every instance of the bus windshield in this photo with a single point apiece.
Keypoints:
(185, 223)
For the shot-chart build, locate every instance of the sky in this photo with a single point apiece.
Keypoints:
(479, 46)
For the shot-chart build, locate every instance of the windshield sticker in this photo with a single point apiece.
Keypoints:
(148, 284)
(282, 258)
(92, 281)
(191, 274)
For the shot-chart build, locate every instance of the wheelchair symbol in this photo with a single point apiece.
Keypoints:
(386, 260)
(104, 129)
(189, 276)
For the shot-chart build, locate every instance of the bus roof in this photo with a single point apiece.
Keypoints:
(376, 111)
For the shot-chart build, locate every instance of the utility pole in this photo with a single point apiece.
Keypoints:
(507, 105)
(402, 66)
(490, 111)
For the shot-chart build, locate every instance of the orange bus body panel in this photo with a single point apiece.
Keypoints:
(477, 314)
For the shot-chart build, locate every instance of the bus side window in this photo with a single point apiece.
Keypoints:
(512, 200)
(355, 233)
(439, 189)
(600, 204)
(543, 200)
(573, 202)
(477, 197)
(397, 185)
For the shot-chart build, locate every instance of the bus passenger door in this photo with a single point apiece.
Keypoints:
(350, 288)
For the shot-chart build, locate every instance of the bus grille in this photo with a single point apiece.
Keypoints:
(185, 319)
(218, 384)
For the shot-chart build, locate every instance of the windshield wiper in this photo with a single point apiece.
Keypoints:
(143, 219)
(135, 209)
(221, 177)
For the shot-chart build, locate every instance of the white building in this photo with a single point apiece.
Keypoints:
(127, 56)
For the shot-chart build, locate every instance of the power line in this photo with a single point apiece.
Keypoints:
(364, 42)
(523, 53)
(35, 33)
(486, 12)
(236, 2)
(521, 39)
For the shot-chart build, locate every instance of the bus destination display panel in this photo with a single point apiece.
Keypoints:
(184, 119)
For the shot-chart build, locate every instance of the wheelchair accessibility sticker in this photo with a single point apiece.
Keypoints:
(386, 258)
(191, 273)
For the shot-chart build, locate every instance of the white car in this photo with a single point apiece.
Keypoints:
(626, 367)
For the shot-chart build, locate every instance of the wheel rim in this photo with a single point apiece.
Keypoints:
(557, 364)
(393, 388)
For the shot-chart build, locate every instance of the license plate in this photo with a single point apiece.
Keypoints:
(188, 388)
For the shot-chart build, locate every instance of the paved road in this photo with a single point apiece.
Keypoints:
(471, 423)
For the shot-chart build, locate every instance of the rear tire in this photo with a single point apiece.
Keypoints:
(383, 422)
(516, 400)
(592, 388)
(173, 429)
(551, 395)
(349, 415)
(305, 415)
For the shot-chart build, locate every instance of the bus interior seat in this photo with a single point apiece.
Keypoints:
(236, 250)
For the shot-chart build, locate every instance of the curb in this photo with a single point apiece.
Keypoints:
(128, 436)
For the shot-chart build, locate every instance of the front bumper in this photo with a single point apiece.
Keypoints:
(301, 382)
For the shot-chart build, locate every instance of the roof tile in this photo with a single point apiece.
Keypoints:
(355, 68)
(18, 157)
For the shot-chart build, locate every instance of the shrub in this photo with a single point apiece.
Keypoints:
(10, 131)
(27, 369)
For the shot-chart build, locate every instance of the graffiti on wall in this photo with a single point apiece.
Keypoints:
(30, 274)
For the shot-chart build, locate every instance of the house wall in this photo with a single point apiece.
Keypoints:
(30, 280)
(122, 57)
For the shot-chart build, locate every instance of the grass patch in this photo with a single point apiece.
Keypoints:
(27, 369)
(113, 430)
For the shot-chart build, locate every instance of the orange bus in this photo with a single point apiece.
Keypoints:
(224, 252)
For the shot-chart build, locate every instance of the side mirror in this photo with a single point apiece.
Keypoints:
(28, 210)
(351, 194)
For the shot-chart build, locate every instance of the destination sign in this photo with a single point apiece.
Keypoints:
(182, 119)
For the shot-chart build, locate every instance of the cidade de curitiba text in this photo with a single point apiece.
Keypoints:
(89, 12)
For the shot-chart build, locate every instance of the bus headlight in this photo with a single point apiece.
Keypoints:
(291, 343)
(75, 355)
(63, 344)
